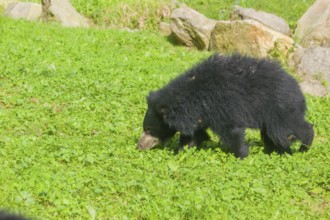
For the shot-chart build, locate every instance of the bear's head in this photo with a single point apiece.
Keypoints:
(155, 128)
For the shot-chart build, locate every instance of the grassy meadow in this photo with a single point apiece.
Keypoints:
(72, 103)
(146, 14)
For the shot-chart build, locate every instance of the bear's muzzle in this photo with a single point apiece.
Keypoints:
(147, 141)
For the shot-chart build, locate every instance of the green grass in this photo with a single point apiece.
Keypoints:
(146, 14)
(290, 10)
(72, 103)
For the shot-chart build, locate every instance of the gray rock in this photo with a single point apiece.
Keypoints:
(5, 3)
(296, 56)
(270, 20)
(191, 28)
(313, 65)
(248, 37)
(315, 62)
(64, 12)
(313, 87)
(24, 10)
(313, 28)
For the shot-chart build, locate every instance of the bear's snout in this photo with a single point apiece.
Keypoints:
(147, 141)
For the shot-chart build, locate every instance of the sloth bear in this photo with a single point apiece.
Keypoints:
(229, 94)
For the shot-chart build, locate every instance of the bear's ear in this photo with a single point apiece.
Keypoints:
(153, 102)
(151, 97)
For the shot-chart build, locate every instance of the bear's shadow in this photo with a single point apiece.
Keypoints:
(172, 146)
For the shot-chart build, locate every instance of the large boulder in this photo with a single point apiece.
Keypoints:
(24, 10)
(191, 28)
(314, 87)
(248, 37)
(313, 27)
(5, 3)
(313, 66)
(314, 62)
(270, 20)
(64, 12)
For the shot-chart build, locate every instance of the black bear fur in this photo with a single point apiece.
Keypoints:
(229, 94)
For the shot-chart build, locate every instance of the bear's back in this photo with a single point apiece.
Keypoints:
(237, 81)
(236, 72)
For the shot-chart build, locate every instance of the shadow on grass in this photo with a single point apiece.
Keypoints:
(172, 146)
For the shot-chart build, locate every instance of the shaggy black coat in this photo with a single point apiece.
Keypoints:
(229, 94)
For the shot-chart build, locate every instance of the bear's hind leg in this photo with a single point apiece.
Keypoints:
(269, 144)
(280, 146)
(234, 140)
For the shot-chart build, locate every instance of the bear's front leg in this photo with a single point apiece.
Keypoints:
(185, 140)
(196, 140)
(233, 138)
